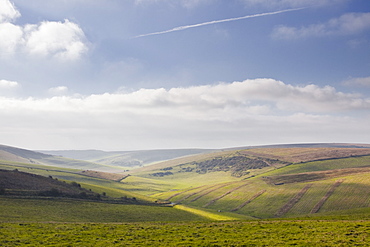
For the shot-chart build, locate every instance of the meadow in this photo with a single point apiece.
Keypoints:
(73, 210)
(246, 233)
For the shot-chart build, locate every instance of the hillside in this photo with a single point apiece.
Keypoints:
(261, 182)
(265, 182)
(13, 154)
(19, 183)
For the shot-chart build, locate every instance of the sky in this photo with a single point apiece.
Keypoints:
(159, 74)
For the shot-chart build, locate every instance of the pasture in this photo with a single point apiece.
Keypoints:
(246, 233)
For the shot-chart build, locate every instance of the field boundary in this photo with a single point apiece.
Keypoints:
(223, 195)
(181, 192)
(206, 193)
(285, 209)
(192, 194)
(249, 201)
(318, 206)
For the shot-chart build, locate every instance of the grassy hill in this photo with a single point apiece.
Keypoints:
(20, 183)
(268, 182)
(37, 158)
(265, 182)
(274, 196)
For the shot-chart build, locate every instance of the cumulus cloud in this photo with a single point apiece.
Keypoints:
(62, 40)
(347, 24)
(60, 90)
(256, 96)
(8, 12)
(256, 111)
(5, 84)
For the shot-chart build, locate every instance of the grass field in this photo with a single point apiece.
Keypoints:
(71, 210)
(253, 233)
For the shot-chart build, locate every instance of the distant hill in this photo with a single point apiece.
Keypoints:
(14, 154)
(127, 159)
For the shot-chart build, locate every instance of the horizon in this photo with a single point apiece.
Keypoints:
(334, 144)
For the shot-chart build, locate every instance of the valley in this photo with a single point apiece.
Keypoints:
(229, 188)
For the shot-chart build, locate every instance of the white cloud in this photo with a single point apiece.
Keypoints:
(8, 12)
(61, 40)
(11, 37)
(347, 24)
(5, 84)
(250, 96)
(60, 90)
(256, 111)
(360, 81)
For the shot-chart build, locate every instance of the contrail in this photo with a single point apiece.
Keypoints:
(215, 22)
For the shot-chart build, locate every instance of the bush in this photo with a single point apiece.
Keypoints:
(75, 184)
(52, 192)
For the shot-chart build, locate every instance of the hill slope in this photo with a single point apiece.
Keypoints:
(265, 182)
(8, 153)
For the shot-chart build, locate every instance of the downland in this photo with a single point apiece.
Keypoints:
(320, 187)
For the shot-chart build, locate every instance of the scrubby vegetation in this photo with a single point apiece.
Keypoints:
(238, 164)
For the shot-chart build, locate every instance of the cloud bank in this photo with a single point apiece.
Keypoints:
(250, 112)
(62, 40)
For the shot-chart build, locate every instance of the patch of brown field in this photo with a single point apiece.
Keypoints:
(104, 175)
(314, 176)
(297, 155)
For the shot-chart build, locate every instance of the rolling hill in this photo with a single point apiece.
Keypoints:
(127, 159)
(14, 154)
(262, 182)
(266, 182)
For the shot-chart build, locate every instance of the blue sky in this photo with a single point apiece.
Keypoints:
(149, 74)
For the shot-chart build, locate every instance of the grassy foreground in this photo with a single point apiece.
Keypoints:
(254, 233)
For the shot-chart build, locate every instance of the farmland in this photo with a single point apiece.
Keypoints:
(229, 198)
(252, 233)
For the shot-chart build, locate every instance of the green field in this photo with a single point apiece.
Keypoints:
(255, 233)
(72, 210)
